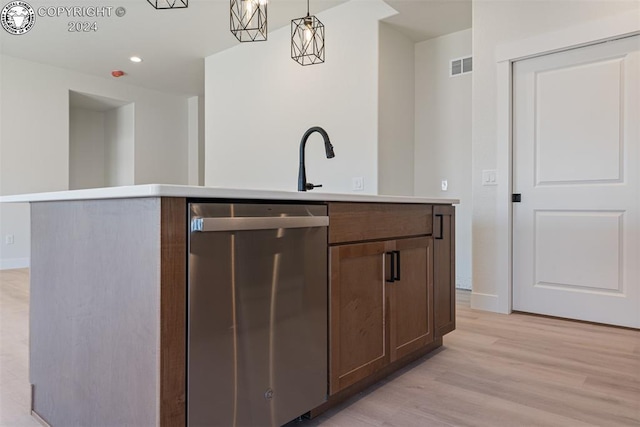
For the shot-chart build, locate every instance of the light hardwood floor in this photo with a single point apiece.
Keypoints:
(494, 370)
(14, 349)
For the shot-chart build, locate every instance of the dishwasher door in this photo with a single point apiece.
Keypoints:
(257, 313)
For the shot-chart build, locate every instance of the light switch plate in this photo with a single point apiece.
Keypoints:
(358, 183)
(444, 185)
(9, 239)
(489, 177)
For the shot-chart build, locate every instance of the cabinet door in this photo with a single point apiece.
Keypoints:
(357, 313)
(444, 274)
(411, 296)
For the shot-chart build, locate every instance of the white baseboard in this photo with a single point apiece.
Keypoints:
(11, 263)
(486, 302)
(463, 282)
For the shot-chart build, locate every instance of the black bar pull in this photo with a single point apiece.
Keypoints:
(393, 267)
(440, 227)
(516, 197)
(397, 276)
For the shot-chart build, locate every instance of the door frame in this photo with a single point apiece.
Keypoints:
(614, 27)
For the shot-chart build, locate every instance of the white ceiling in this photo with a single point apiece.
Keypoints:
(425, 19)
(93, 102)
(174, 42)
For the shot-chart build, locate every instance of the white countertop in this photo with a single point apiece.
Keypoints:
(161, 190)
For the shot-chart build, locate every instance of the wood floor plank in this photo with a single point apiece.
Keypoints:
(494, 370)
(15, 390)
(523, 370)
(463, 407)
(574, 403)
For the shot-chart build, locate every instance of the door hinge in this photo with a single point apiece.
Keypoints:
(516, 197)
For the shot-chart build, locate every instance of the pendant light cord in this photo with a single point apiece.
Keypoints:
(307, 7)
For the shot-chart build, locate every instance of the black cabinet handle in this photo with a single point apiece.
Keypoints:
(393, 267)
(397, 256)
(441, 226)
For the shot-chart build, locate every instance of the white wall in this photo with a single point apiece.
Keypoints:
(101, 147)
(161, 138)
(119, 145)
(14, 220)
(395, 112)
(496, 23)
(34, 138)
(201, 140)
(86, 149)
(259, 102)
(196, 140)
(443, 135)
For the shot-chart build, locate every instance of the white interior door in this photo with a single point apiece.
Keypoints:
(576, 155)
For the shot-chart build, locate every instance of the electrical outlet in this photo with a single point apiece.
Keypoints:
(445, 185)
(358, 183)
(9, 239)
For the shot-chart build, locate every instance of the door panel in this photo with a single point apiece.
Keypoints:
(573, 133)
(411, 297)
(444, 272)
(576, 159)
(357, 314)
(595, 260)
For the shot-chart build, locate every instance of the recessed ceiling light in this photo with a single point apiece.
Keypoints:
(135, 59)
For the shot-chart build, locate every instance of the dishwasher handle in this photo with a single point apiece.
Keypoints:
(257, 223)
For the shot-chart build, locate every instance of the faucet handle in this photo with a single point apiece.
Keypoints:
(310, 186)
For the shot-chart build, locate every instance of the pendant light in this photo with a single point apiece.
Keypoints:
(307, 40)
(169, 4)
(249, 20)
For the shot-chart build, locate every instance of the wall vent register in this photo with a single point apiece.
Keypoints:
(461, 66)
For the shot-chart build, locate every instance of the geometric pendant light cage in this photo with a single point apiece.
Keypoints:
(248, 23)
(169, 4)
(249, 20)
(307, 40)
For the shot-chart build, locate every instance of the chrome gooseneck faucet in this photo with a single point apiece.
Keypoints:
(303, 185)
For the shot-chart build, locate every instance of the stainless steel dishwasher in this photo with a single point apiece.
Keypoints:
(257, 313)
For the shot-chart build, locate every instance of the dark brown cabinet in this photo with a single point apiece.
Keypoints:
(380, 311)
(381, 292)
(444, 275)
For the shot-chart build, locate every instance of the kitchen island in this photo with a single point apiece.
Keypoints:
(110, 286)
